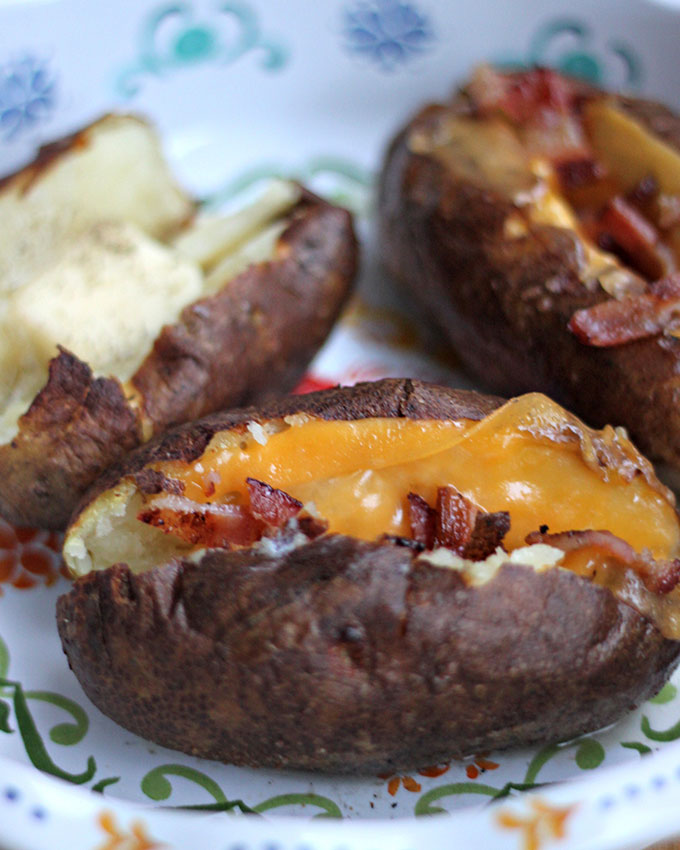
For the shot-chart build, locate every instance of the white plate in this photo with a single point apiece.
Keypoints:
(242, 90)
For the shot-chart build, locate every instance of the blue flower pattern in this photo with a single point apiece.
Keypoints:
(388, 32)
(27, 95)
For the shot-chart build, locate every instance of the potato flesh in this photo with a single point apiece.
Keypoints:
(105, 298)
(104, 291)
(114, 172)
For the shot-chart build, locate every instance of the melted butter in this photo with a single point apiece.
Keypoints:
(528, 457)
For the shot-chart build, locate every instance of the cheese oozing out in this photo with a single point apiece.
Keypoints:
(529, 457)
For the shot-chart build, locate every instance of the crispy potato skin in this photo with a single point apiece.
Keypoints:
(504, 304)
(249, 341)
(76, 427)
(344, 655)
(348, 656)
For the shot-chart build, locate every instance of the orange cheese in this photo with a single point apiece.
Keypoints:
(529, 457)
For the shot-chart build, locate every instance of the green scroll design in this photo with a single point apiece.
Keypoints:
(643, 749)
(664, 735)
(328, 807)
(66, 734)
(424, 804)
(157, 786)
(32, 740)
(589, 755)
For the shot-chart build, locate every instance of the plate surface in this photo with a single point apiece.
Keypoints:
(242, 91)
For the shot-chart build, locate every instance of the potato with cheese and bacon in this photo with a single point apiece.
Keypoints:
(374, 578)
(122, 314)
(536, 220)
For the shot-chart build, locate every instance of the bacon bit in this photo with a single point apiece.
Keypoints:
(644, 192)
(613, 323)
(434, 770)
(217, 526)
(423, 520)
(455, 519)
(577, 173)
(659, 577)
(637, 237)
(457, 524)
(274, 507)
(487, 535)
(522, 94)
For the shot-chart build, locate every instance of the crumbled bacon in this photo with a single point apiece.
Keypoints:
(487, 535)
(636, 237)
(457, 524)
(613, 322)
(521, 94)
(210, 525)
(422, 519)
(455, 519)
(575, 173)
(658, 576)
(274, 507)
(222, 526)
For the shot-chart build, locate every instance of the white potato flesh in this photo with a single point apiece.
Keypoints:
(105, 299)
(115, 172)
(82, 265)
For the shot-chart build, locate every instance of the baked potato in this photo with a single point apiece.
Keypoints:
(373, 578)
(536, 221)
(121, 314)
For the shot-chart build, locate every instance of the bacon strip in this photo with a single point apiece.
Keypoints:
(658, 576)
(613, 322)
(222, 526)
(210, 525)
(637, 237)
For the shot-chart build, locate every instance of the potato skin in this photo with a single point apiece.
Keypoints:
(249, 341)
(348, 656)
(504, 304)
(344, 655)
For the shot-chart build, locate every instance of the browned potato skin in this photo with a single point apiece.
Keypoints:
(249, 341)
(349, 656)
(504, 304)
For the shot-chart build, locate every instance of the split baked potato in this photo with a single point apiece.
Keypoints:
(122, 314)
(374, 578)
(536, 220)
